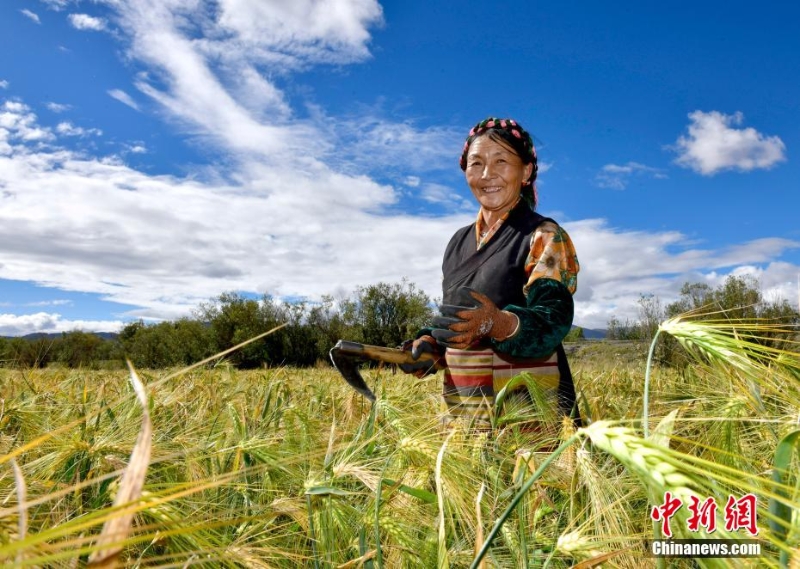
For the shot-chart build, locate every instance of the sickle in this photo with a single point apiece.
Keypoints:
(346, 356)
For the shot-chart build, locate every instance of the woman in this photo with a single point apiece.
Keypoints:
(507, 289)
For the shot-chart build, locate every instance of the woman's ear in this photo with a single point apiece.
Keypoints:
(528, 172)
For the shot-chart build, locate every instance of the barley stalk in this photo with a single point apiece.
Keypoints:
(443, 561)
(479, 523)
(22, 507)
(116, 529)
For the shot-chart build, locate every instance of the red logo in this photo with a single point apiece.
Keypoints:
(739, 514)
(665, 511)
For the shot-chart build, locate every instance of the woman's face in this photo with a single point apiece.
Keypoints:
(495, 174)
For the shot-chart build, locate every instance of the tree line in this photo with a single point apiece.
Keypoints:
(383, 314)
(739, 298)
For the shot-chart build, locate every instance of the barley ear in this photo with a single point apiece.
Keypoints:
(115, 530)
(22, 498)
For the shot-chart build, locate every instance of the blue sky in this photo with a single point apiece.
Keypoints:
(156, 153)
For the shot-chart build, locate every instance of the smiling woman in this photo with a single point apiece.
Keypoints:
(495, 175)
(507, 291)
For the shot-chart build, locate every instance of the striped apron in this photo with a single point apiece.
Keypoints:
(474, 377)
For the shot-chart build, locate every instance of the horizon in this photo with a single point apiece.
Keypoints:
(156, 155)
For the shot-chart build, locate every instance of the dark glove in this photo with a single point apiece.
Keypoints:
(475, 317)
(423, 344)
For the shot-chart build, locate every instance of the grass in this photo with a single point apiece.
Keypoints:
(290, 467)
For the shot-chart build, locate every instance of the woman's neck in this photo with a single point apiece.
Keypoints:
(491, 217)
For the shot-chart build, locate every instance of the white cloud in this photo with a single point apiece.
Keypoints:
(19, 124)
(123, 98)
(31, 16)
(302, 30)
(713, 144)
(779, 281)
(3, 84)
(56, 5)
(218, 85)
(617, 266)
(618, 177)
(86, 22)
(57, 107)
(439, 193)
(44, 322)
(50, 303)
(68, 129)
(371, 142)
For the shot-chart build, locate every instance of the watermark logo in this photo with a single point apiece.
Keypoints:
(739, 514)
(705, 548)
(665, 511)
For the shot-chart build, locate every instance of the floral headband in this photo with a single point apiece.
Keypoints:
(511, 132)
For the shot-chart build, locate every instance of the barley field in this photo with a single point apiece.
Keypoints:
(215, 467)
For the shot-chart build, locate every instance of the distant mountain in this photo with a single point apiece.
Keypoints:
(590, 334)
(57, 335)
(594, 334)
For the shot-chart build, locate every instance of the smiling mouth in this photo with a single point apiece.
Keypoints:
(491, 189)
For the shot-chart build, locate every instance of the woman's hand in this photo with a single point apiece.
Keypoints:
(471, 324)
(423, 344)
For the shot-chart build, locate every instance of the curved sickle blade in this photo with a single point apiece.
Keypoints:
(347, 363)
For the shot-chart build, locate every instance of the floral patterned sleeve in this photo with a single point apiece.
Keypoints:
(552, 256)
(546, 318)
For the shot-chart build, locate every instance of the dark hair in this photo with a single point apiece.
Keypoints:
(509, 133)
